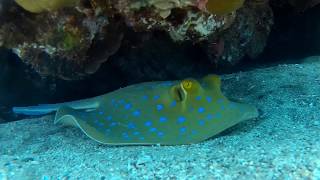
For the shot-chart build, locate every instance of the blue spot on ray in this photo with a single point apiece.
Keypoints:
(125, 135)
(173, 103)
(209, 99)
(128, 106)
(219, 101)
(191, 109)
(153, 129)
(145, 97)
(121, 101)
(160, 134)
(183, 129)
(201, 109)
(108, 118)
(148, 123)
(159, 107)
(98, 123)
(198, 98)
(209, 117)
(101, 112)
(112, 124)
(136, 113)
(156, 97)
(101, 124)
(131, 125)
(181, 119)
(136, 133)
(201, 122)
(162, 119)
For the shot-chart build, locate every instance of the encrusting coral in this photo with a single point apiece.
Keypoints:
(70, 39)
(247, 35)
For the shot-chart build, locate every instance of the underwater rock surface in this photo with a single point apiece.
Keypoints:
(71, 39)
(281, 144)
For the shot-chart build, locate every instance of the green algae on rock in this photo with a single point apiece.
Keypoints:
(220, 7)
(37, 6)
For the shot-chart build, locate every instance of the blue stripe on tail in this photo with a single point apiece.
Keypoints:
(34, 110)
(43, 109)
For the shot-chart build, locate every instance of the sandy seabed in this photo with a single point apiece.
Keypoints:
(282, 143)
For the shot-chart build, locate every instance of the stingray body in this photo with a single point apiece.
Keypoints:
(170, 113)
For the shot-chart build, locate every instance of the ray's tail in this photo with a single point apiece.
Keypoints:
(35, 110)
(43, 109)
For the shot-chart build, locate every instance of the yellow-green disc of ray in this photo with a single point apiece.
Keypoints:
(170, 112)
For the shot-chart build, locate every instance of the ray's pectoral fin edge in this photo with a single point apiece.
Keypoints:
(72, 117)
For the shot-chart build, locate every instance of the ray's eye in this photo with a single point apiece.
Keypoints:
(185, 88)
(190, 86)
(187, 84)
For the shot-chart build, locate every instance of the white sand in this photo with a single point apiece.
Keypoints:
(283, 143)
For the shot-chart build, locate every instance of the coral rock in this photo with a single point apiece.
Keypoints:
(71, 39)
(246, 36)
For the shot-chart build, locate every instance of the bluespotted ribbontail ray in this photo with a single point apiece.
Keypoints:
(167, 112)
